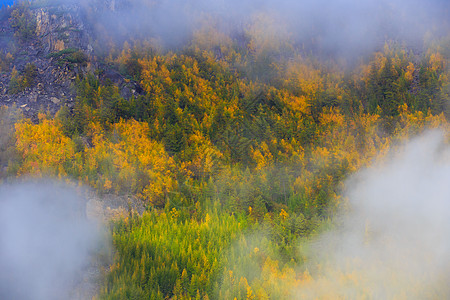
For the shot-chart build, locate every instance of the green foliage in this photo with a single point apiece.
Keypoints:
(19, 82)
(15, 82)
(62, 52)
(268, 146)
(8, 154)
(5, 61)
(167, 255)
(70, 57)
(181, 255)
(247, 152)
(77, 57)
(29, 75)
(23, 21)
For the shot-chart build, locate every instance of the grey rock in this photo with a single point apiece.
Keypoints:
(55, 100)
(33, 98)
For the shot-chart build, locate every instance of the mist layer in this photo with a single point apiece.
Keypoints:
(394, 240)
(45, 240)
(338, 27)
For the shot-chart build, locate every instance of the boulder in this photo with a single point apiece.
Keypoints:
(55, 100)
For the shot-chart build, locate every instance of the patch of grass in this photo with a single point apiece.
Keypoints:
(62, 52)
(69, 57)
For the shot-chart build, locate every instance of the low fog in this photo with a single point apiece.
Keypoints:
(337, 28)
(394, 239)
(45, 240)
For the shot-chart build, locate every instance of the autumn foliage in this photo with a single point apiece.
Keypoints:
(226, 140)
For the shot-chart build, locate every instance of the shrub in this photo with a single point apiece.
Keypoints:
(15, 82)
(23, 21)
(20, 82)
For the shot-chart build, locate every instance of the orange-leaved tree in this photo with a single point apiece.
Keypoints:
(45, 150)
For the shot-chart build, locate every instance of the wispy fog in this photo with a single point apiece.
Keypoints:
(45, 240)
(394, 241)
(338, 27)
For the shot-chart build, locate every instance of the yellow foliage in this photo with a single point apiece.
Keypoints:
(410, 71)
(301, 74)
(332, 116)
(108, 184)
(262, 156)
(202, 158)
(436, 61)
(129, 162)
(284, 215)
(135, 151)
(44, 148)
(250, 294)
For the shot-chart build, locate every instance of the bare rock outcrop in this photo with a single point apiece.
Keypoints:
(60, 52)
(61, 49)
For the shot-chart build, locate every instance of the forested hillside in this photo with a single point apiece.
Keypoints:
(238, 142)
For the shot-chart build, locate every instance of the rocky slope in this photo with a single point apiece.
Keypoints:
(57, 29)
(59, 48)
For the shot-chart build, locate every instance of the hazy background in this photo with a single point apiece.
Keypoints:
(339, 27)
